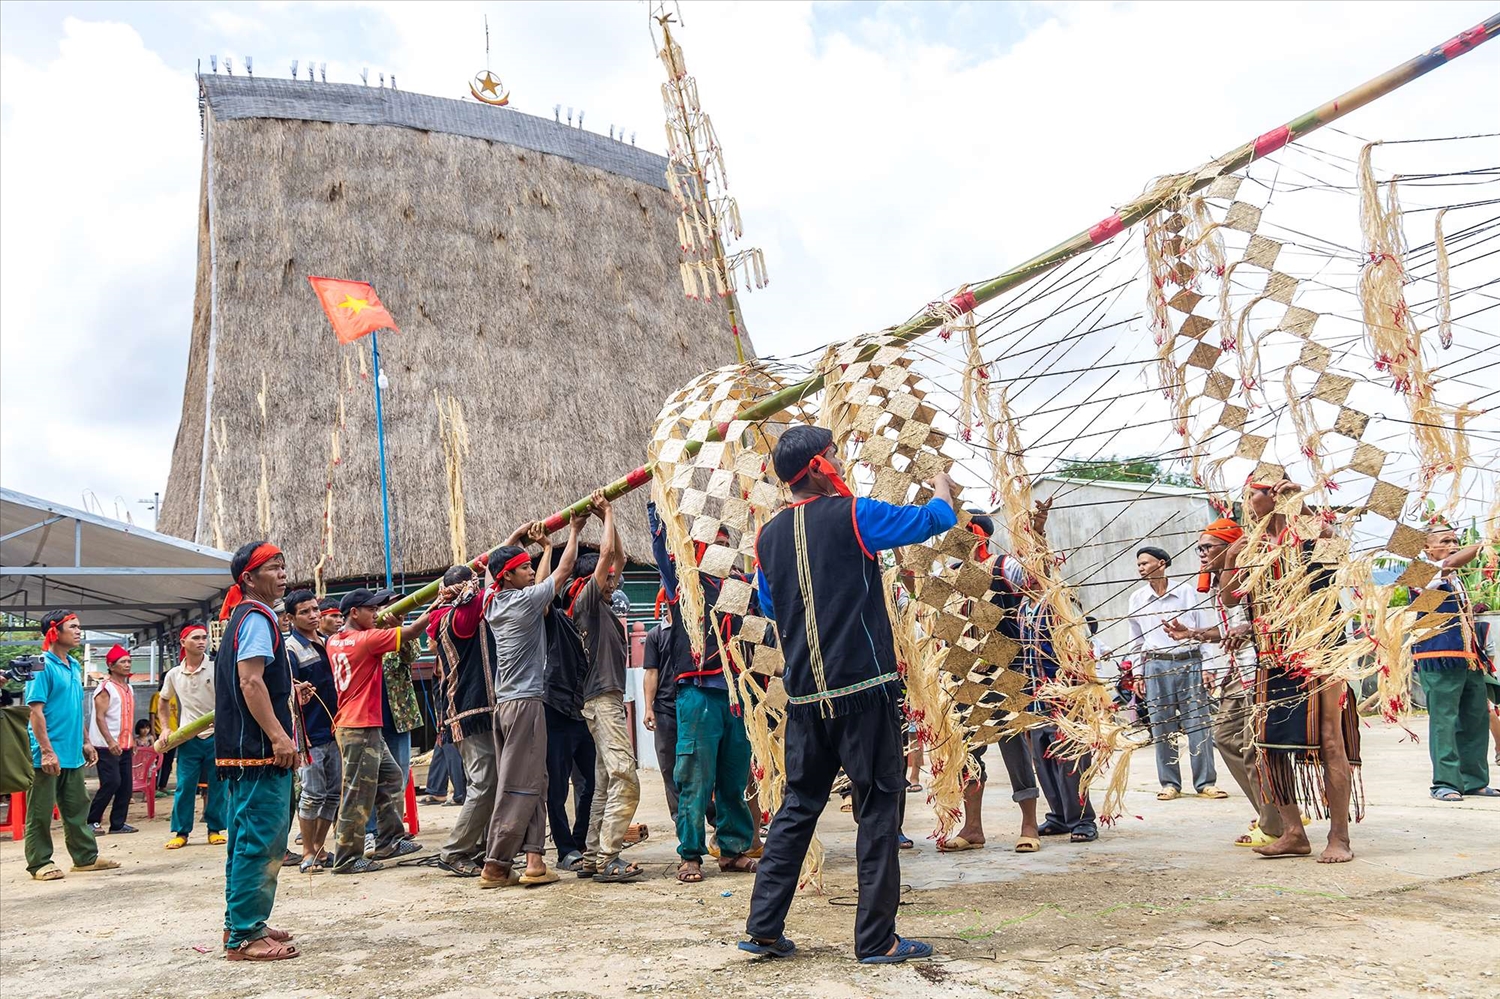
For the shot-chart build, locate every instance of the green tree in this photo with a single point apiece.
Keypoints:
(1142, 469)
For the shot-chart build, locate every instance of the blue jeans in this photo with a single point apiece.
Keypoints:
(260, 814)
(195, 762)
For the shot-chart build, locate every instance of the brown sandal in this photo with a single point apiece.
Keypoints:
(276, 950)
(738, 864)
(689, 875)
(280, 936)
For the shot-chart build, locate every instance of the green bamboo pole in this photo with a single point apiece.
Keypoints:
(1101, 232)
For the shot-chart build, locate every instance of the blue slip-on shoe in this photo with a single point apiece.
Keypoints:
(906, 950)
(783, 947)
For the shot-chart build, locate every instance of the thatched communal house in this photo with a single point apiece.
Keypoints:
(533, 268)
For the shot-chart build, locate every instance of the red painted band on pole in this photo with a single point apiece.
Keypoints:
(1108, 229)
(964, 301)
(1465, 41)
(1272, 141)
(642, 475)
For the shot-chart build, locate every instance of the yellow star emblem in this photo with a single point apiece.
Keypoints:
(354, 305)
(490, 85)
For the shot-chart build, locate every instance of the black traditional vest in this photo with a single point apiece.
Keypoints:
(468, 684)
(829, 601)
(241, 748)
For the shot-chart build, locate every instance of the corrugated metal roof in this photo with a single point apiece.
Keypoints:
(116, 576)
(233, 97)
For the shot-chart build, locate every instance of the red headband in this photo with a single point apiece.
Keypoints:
(185, 632)
(515, 562)
(822, 464)
(51, 636)
(236, 596)
(330, 612)
(114, 655)
(982, 550)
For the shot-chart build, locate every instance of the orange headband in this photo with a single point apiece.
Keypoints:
(236, 595)
(822, 464)
(1226, 531)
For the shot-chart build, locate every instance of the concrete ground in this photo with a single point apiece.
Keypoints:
(1161, 905)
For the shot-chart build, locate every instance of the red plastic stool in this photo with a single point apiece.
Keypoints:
(413, 824)
(16, 822)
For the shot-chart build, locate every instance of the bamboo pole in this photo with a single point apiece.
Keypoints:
(1101, 232)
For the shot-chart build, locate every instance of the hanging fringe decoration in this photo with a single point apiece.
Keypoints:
(1445, 290)
(454, 434)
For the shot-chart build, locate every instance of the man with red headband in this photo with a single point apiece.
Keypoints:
(191, 684)
(1307, 731)
(59, 752)
(1234, 716)
(330, 618)
(821, 580)
(112, 734)
(516, 608)
(254, 751)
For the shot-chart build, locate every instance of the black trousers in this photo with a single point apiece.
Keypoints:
(666, 753)
(570, 759)
(869, 747)
(116, 782)
(164, 775)
(1066, 804)
(447, 766)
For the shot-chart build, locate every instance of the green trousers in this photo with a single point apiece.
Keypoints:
(259, 818)
(66, 792)
(195, 762)
(1458, 727)
(713, 764)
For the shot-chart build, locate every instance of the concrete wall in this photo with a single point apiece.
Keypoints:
(1099, 526)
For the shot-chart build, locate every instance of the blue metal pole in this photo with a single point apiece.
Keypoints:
(385, 498)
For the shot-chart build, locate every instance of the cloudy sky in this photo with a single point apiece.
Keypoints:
(881, 153)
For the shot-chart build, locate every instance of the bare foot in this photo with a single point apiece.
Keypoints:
(1338, 851)
(1290, 844)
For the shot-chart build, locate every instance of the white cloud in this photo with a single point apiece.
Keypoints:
(880, 154)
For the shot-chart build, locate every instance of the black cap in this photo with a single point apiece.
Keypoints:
(1159, 554)
(359, 598)
(383, 597)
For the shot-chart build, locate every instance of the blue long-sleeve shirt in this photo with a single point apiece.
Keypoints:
(882, 526)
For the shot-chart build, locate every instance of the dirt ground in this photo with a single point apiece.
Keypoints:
(1161, 905)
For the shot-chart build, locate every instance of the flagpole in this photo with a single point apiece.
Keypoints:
(385, 496)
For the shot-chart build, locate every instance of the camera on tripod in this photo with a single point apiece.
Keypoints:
(21, 668)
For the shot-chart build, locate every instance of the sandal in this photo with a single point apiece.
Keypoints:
(537, 880)
(904, 842)
(460, 867)
(310, 865)
(957, 845)
(1445, 794)
(781, 947)
(1485, 792)
(906, 950)
(618, 872)
(690, 875)
(584, 869)
(403, 848)
(279, 936)
(275, 950)
(913, 787)
(569, 861)
(739, 864)
(1084, 834)
(177, 842)
(1210, 791)
(1169, 793)
(360, 866)
(1050, 828)
(49, 872)
(217, 839)
(99, 864)
(1028, 844)
(510, 880)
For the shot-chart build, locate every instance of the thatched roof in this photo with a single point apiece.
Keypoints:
(540, 288)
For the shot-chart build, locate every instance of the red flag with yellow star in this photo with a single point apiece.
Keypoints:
(352, 306)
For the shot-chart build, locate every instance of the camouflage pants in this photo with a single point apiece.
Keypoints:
(372, 783)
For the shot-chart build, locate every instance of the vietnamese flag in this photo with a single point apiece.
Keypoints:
(352, 306)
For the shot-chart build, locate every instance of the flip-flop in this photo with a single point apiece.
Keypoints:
(1445, 794)
(280, 952)
(310, 865)
(904, 842)
(957, 845)
(47, 872)
(906, 950)
(537, 880)
(913, 787)
(1028, 844)
(509, 881)
(1255, 838)
(782, 947)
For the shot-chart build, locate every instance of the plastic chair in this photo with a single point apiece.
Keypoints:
(144, 764)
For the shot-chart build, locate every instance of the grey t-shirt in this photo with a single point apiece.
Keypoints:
(604, 637)
(516, 618)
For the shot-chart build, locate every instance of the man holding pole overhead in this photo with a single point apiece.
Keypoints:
(820, 579)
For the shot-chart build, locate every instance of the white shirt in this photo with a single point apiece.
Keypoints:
(1148, 612)
(194, 693)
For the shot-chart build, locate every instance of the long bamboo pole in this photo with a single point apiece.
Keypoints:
(1101, 232)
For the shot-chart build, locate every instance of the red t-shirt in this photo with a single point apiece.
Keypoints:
(355, 657)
